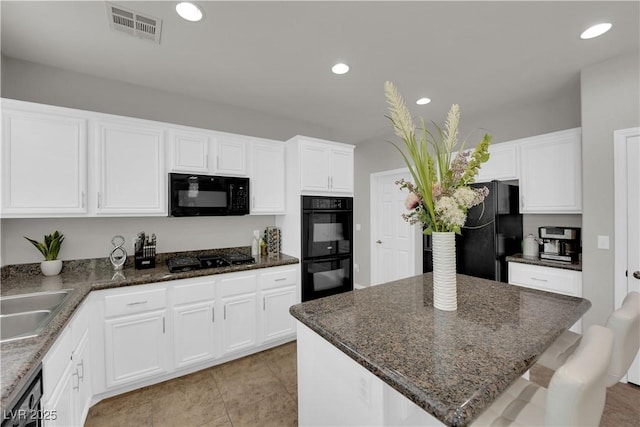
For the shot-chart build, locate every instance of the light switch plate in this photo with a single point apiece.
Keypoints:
(603, 242)
(358, 227)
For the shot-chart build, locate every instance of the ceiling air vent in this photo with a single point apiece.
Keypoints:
(133, 23)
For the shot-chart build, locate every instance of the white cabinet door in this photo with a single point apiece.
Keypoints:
(276, 321)
(193, 332)
(239, 322)
(502, 164)
(231, 155)
(136, 347)
(341, 162)
(189, 151)
(551, 173)
(267, 178)
(83, 391)
(314, 167)
(130, 165)
(59, 408)
(44, 164)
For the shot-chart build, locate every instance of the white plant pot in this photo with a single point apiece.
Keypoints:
(51, 268)
(445, 295)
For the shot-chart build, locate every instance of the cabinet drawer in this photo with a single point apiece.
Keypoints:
(236, 284)
(567, 282)
(134, 302)
(194, 290)
(280, 277)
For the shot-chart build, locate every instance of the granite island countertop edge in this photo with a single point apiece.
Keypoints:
(459, 415)
(31, 351)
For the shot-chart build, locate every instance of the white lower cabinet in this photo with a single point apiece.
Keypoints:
(279, 293)
(67, 374)
(238, 295)
(136, 347)
(194, 322)
(136, 334)
(150, 333)
(558, 280)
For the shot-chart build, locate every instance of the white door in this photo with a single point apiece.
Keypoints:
(627, 222)
(136, 347)
(193, 333)
(341, 162)
(394, 242)
(239, 330)
(276, 321)
(130, 165)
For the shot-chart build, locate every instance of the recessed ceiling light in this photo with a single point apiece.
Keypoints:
(595, 31)
(189, 11)
(340, 68)
(423, 101)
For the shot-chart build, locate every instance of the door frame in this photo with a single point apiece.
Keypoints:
(416, 261)
(620, 212)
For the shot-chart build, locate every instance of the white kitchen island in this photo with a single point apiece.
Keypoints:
(385, 356)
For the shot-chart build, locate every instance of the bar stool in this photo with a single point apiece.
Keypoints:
(576, 393)
(625, 324)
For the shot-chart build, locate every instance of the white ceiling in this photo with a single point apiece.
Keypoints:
(276, 56)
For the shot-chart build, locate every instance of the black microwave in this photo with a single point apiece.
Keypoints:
(207, 195)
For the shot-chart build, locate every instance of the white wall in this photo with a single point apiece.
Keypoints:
(610, 101)
(91, 237)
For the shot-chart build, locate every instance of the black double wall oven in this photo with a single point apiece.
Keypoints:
(327, 246)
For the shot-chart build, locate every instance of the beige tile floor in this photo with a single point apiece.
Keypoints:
(257, 390)
(261, 390)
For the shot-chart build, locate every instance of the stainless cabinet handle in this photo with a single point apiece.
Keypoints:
(379, 242)
(213, 315)
(77, 386)
(218, 162)
(253, 202)
(82, 201)
(328, 182)
(539, 280)
(206, 161)
(225, 312)
(263, 304)
(99, 200)
(163, 325)
(138, 302)
(636, 274)
(81, 365)
(280, 279)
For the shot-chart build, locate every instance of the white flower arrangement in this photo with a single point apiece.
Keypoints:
(440, 197)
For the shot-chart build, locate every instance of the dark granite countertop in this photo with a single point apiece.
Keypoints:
(577, 266)
(452, 364)
(20, 358)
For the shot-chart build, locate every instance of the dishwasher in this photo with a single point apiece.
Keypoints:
(27, 409)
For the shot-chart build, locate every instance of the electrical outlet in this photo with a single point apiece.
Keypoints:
(356, 268)
(603, 242)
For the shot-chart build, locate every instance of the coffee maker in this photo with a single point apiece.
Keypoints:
(560, 243)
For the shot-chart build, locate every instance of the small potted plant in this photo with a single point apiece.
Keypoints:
(51, 265)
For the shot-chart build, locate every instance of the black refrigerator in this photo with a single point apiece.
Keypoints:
(493, 231)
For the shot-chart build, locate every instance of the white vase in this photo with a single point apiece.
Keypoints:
(445, 296)
(51, 268)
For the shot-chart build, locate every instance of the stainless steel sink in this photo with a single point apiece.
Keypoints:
(25, 316)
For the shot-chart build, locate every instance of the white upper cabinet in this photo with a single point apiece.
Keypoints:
(551, 173)
(207, 152)
(44, 162)
(325, 167)
(231, 155)
(189, 151)
(502, 164)
(129, 164)
(267, 186)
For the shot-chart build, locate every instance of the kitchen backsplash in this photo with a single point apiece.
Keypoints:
(91, 237)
